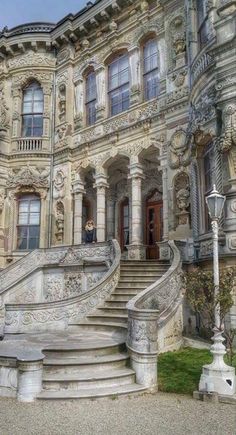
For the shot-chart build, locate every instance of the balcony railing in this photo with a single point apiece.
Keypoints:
(29, 144)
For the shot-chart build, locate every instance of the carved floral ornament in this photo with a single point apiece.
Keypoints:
(28, 178)
(4, 110)
(228, 137)
(180, 149)
(21, 80)
(31, 59)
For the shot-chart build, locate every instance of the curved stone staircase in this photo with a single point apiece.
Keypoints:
(93, 360)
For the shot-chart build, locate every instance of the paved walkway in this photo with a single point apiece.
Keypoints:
(163, 414)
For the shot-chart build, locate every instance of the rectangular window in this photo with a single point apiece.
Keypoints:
(150, 70)
(91, 98)
(118, 79)
(28, 228)
(32, 111)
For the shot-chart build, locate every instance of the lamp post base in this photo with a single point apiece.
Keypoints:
(218, 377)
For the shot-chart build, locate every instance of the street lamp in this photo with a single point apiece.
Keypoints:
(217, 377)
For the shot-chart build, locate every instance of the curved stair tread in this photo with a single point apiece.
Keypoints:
(92, 393)
(83, 359)
(89, 376)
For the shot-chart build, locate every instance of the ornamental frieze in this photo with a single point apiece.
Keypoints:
(28, 176)
(31, 59)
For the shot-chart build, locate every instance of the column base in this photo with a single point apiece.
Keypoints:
(217, 380)
(136, 252)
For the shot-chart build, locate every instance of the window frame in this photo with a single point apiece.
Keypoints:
(28, 198)
(32, 114)
(155, 69)
(121, 86)
(202, 34)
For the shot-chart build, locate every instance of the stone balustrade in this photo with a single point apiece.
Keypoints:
(56, 315)
(29, 144)
(147, 313)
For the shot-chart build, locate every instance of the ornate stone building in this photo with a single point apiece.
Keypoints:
(124, 113)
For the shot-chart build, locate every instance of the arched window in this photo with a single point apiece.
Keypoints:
(118, 84)
(90, 98)
(32, 113)
(28, 225)
(202, 22)
(150, 69)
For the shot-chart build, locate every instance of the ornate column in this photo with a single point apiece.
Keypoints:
(134, 63)
(111, 216)
(101, 92)
(78, 191)
(101, 185)
(79, 102)
(136, 250)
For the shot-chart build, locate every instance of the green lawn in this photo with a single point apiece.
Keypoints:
(180, 371)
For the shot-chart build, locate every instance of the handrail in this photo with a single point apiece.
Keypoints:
(159, 298)
(162, 287)
(19, 316)
(34, 260)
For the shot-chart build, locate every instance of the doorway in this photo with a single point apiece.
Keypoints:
(154, 224)
(124, 224)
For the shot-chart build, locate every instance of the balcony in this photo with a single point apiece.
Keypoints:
(29, 144)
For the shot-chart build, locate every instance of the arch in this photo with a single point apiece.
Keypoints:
(111, 53)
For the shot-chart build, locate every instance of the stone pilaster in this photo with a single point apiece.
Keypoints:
(78, 190)
(134, 63)
(101, 94)
(101, 185)
(79, 103)
(136, 249)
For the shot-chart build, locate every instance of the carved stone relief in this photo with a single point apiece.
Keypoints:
(62, 102)
(4, 111)
(59, 184)
(28, 176)
(60, 217)
(180, 149)
(228, 137)
(182, 198)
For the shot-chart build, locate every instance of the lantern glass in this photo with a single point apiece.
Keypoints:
(215, 203)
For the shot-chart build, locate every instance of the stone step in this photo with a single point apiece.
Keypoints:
(121, 297)
(93, 393)
(132, 287)
(82, 364)
(137, 280)
(116, 303)
(112, 310)
(107, 327)
(129, 291)
(95, 349)
(108, 318)
(89, 379)
(141, 274)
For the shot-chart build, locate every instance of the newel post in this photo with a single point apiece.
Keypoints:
(142, 346)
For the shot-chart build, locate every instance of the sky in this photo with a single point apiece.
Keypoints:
(15, 12)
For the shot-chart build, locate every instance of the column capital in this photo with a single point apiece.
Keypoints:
(136, 171)
(78, 187)
(100, 181)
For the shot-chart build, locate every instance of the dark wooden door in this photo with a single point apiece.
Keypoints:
(154, 221)
(124, 224)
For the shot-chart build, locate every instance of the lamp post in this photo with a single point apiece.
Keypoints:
(217, 377)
